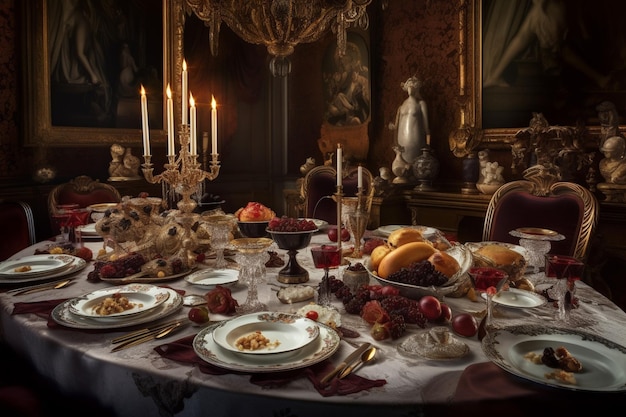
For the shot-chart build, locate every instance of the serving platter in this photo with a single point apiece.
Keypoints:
(457, 251)
(386, 230)
(286, 332)
(144, 298)
(62, 315)
(75, 265)
(517, 298)
(603, 361)
(37, 265)
(209, 278)
(323, 347)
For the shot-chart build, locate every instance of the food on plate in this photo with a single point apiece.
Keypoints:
(403, 256)
(500, 256)
(325, 315)
(163, 267)
(559, 358)
(254, 212)
(404, 235)
(295, 294)
(255, 341)
(116, 303)
(118, 268)
(23, 268)
(444, 263)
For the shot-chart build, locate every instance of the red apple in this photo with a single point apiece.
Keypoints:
(332, 234)
(199, 315)
(446, 314)
(430, 307)
(465, 324)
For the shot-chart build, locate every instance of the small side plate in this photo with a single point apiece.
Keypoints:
(209, 278)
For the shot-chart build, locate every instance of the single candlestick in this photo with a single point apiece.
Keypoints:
(360, 177)
(213, 125)
(193, 145)
(170, 122)
(184, 99)
(144, 122)
(339, 165)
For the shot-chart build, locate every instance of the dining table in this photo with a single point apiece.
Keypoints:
(167, 377)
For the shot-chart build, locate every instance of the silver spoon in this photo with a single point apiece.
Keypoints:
(367, 356)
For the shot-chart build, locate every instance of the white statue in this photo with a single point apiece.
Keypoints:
(490, 174)
(411, 121)
(123, 163)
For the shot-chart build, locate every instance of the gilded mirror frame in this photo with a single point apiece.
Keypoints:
(470, 134)
(37, 109)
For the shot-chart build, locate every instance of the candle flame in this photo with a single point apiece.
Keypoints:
(191, 100)
(184, 65)
(168, 91)
(213, 102)
(143, 90)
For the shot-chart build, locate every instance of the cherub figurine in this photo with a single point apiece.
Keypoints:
(123, 163)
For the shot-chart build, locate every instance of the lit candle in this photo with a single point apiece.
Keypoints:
(184, 99)
(213, 125)
(193, 145)
(144, 122)
(170, 122)
(339, 165)
(360, 177)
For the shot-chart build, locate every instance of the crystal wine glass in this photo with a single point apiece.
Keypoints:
(251, 257)
(219, 227)
(485, 280)
(357, 223)
(567, 270)
(326, 257)
(538, 243)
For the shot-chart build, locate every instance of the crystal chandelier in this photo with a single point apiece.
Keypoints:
(280, 25)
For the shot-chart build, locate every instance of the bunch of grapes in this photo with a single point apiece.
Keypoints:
(422, 274)
(290, 224)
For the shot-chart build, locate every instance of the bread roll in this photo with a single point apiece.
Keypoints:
(499, 256)
(444, 263)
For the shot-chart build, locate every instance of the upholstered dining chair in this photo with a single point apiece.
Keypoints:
(320, 185)
(17, 230)
(82, 190)
(541, 200)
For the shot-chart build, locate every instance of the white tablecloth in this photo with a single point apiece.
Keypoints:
(138, 381)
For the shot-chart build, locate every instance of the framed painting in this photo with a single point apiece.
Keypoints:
(85, 63)
(559, 58)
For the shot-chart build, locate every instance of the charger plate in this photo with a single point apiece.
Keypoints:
(62, 315)
(603, 361)
(324, 346)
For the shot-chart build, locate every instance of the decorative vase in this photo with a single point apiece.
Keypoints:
(471, 169)
(425, 169)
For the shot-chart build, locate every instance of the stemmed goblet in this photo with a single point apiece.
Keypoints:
(487, 280)
(326, 257)
(567, 270)
(357, 223)
(538, 243)
(219, 227)
(251, 257)
(293, 272)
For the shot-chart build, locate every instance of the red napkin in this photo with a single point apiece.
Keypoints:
(41, 308)
(182, 351)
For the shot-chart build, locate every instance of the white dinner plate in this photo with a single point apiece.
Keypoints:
(516, 298)
(143, 297)
(209, 278)
(88, 230)
(62, 315)
(37, 264)
(286, 332)
(76, 265)
(323, 347)
(603, 361)
(385, 231)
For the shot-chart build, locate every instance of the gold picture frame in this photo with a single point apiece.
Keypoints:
(39, 104)
(472, 128)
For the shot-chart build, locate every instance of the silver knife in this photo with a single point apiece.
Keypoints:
(147, 338)
(351, 358)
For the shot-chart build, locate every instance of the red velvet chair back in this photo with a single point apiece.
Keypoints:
(17, 228)
(566, 208)
(320, 185)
